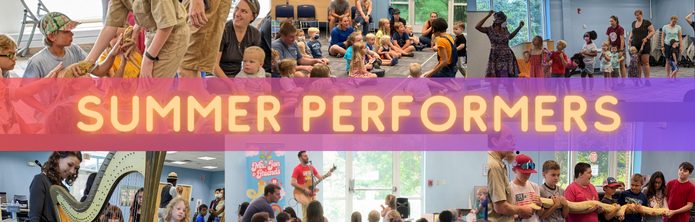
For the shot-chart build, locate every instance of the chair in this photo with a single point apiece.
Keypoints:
(285, 11)
(30, 19)
(23, 202)
(306, 16)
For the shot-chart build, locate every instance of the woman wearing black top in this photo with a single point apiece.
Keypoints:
(642, 32)
(61, 168)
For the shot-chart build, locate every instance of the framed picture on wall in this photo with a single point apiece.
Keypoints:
(126, 195)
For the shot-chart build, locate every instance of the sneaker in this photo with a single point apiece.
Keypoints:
(394, 61)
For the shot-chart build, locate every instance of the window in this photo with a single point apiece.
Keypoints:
(482, 5)
(604, 164)
(451, 10)
(364, 178)
(75, 9)
(95, 9)
(423, 8)
(460, 11)
(335, 194)
(403, 6)
(516, 11)
(411, 180)
(532, 12)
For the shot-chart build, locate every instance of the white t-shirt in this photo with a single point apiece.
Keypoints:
(589, 48)
(671, 33)
(523, 195)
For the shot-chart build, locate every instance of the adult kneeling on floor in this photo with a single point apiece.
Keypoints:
(446, 55)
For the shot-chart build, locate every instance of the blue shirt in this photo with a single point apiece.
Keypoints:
(348, 57)
(400, 39)
(339, 36)
(315, 48)
(200, 218)
(287, 51)
(628, 197)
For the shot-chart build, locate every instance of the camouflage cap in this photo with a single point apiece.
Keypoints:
(56, 21)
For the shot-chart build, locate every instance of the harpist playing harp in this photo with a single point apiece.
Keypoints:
(63, 167)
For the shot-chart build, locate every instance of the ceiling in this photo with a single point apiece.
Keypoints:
(190, 160)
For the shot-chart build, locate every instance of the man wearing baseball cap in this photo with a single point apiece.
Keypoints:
(57, 33)
(501, 207)
(396, 18)
(525, 192)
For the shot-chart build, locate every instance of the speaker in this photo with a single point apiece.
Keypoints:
(403, 207)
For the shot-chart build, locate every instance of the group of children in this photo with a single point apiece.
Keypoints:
(677, 195)
(546, 63)
(365, 53)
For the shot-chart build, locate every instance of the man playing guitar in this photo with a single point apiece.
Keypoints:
(303, 179)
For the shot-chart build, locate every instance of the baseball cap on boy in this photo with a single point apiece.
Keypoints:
(524, 164)
(611, 182)
(56, 21)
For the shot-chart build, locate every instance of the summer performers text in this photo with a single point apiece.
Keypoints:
(235, 114)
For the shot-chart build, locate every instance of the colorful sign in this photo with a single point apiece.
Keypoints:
(262, 168)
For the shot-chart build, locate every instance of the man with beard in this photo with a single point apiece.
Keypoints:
(500, 207)
(303, 177)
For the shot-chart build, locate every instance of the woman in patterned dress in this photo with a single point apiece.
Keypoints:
(502, 62)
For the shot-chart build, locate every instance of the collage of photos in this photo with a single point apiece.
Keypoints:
(623, 48)
(354, 186)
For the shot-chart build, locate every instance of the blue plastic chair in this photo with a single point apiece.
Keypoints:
(284, 11)
(306, 15)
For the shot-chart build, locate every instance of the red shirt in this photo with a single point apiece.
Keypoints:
(678, 195)
(614, 35)
(303, 174)
(577, 193)
(556, 67)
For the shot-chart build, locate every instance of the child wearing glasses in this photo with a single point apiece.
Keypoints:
(8, 58)
(525, 192)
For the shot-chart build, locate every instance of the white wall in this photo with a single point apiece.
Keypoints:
(569, 25)
(665, 9)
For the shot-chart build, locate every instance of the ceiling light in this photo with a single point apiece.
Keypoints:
(206, 158)
(179, 162)
(210, 167)
(172, 152)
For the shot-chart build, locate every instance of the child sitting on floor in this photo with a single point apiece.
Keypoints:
(421, 88)
(302, 46)
(384, 51)
(358, 68)
(314, 44)
(290, 90)
(253, 61)
(416, 41)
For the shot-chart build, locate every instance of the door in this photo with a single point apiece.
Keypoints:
(367, 177)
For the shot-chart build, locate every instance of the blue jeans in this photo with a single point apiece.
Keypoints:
(365, 24)
(427, 41)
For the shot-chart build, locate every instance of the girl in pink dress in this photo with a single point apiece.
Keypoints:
(535, 58)
(358, 69)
